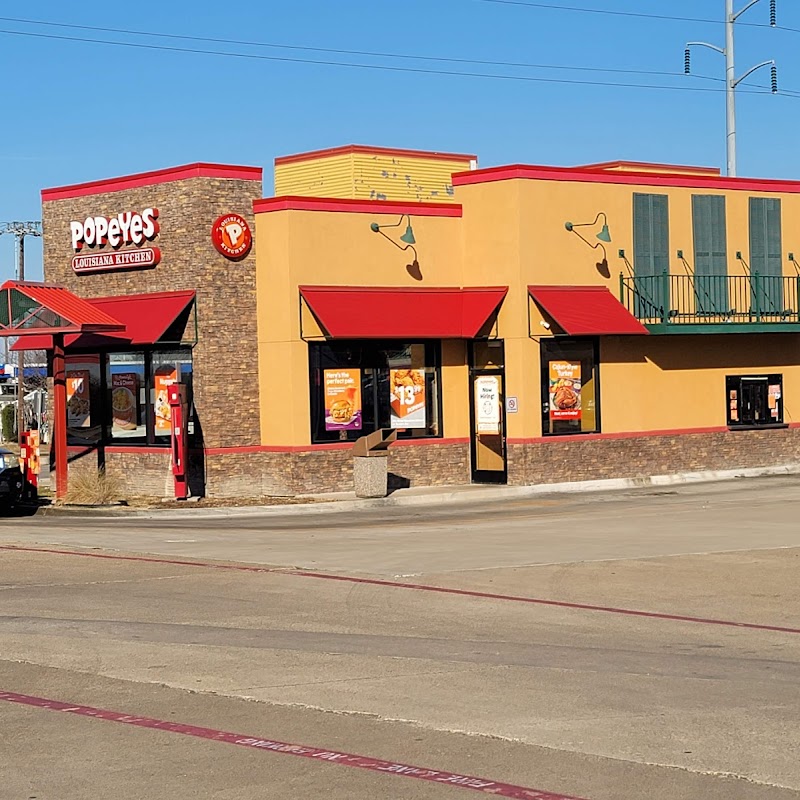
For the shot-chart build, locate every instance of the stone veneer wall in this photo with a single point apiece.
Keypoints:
(582, 458)
(225, 358)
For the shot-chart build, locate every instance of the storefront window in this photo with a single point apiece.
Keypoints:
(84, 400)
(570, 387)
(358, 386)
(126, 389)
(168, 367)
(122, 397)
(754, 400)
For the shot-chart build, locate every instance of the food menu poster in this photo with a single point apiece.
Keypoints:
(407, 387)
(78, 404)
(565, 390)
(342, 389)
(165, 376)
(124, 405)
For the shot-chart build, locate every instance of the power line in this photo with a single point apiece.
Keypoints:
(635, 14)
(375, 67)
(374, 54)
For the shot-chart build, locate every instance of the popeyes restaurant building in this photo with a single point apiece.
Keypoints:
(516, 324)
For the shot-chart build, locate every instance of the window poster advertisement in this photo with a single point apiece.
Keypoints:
(487, 404)
(124, 405)
(164, 377)
(407, 387)
(78, 405)
(565, 390)
(342, 399)
(774, 394)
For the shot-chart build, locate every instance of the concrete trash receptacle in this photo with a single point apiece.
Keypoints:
(371, 463)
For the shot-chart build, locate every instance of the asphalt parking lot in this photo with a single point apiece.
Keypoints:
(628, 645)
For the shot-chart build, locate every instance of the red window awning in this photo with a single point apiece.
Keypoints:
(143, 319)
(365, 312)
(586, 310)
(30, 309)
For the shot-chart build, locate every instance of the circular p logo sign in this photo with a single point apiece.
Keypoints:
(232, 236)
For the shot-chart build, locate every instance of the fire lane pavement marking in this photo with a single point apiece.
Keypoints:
(420, 587)
(483, 785)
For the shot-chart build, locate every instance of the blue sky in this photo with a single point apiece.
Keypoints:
(85, 110)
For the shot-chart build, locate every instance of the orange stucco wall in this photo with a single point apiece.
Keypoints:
(512, 234)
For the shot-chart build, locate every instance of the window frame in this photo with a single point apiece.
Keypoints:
(734, 390)
(150, 440)
(565, 343)
(370, 397)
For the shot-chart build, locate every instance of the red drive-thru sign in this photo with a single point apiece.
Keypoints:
(232, 236)
(104, 236)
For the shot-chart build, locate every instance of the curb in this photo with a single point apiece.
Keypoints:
(472, 496)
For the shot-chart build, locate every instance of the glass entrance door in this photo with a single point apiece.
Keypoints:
(487, 412)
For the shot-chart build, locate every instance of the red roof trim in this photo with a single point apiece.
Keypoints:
(683, 168)
(181, 173)
(371, 150)
(349, 205)
(584, 175)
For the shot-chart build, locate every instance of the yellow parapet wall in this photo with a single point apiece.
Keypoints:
(371, 173)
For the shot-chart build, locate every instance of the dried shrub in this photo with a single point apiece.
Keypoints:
(94, 489)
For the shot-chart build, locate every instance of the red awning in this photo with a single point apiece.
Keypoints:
(361, 312)
(30, 309)
(586, 310)
(143, 319)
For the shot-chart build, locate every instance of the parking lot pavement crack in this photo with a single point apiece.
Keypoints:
(12, 586)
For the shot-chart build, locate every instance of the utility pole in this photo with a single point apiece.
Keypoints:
(20, 230)
(731, 81)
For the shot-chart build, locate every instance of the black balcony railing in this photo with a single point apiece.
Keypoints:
(699, 299)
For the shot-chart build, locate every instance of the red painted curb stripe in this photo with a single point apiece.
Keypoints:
(286, 748)
(420, 587)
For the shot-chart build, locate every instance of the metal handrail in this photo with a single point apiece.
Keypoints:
(693, 299)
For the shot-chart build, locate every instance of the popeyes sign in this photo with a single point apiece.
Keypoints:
(232, 236)
(104, 236)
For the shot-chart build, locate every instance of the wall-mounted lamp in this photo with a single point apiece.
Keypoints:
(545, 325)
(604, 235)
(408, 240)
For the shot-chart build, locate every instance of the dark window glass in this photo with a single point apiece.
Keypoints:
(126, 390)
(359, 386)
(168, 367)
(570, 386)
(754, 400)
(84, 399)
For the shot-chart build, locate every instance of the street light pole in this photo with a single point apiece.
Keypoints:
(21, 354)
(731, 81)
(20, 230)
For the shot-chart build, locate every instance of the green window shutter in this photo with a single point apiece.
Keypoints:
(660, 232)
(758, 235)
(701, 229)
(642, 235)
(710, 254)
(765, 254)
(774, 244)
(650, 252)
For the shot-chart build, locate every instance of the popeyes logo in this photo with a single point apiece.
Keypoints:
(232, 236)
(126, 228)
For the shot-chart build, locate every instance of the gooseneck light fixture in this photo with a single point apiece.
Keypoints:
(407, 239)
(603, 235)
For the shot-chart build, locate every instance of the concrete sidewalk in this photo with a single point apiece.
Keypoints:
(424, 496)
